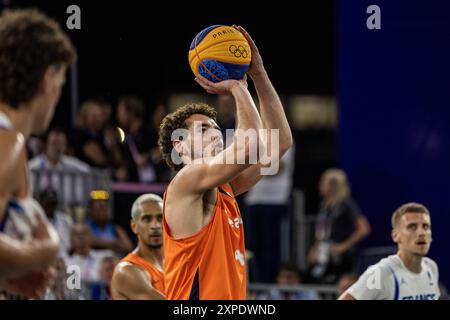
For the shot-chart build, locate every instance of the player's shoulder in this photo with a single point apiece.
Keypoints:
(185, 179)
(430, 263)
(11, 139)
(179, 179)
(126, 271)
(12, 149)
(186, 173)
(386, 265)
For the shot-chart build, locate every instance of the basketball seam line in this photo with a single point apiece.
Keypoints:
(201, 62)
(209, 46)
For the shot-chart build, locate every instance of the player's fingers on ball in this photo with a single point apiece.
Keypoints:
(200, 83)
(204, 80)
(249, 38)
(207, 85)
(204, 86)
(245, 33)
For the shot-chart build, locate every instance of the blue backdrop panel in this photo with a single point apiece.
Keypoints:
(394, 100)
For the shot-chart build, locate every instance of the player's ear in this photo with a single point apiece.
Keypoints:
(47, 79)
(178, 146)
(394, 235)
(133, 226)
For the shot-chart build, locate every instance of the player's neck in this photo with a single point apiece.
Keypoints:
(20, 118)
(154, 255)
(412, 262)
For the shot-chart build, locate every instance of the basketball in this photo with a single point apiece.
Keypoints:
(220, 53)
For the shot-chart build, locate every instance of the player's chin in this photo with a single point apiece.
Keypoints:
(156, 245)
(422, 250)
(155, 242)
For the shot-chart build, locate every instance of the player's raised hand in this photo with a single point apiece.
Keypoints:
(256, 65)
(33, 285)
(223, 87)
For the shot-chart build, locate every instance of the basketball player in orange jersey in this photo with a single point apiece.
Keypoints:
(34, 56)
(204, 251)
(139, 276)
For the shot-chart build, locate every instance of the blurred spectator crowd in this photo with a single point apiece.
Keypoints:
(72, 170)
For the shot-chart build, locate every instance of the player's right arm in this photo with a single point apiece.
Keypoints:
(133, 283)
(12, 168)
(198, 178)
(19, 257)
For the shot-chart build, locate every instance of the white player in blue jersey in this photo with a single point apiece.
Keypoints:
(408, 275)
(34, 56)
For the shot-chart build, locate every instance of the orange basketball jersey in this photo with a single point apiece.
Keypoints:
(209, 265)
(155, 274)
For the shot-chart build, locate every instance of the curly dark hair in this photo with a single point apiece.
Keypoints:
(30, 42)
(177, 120)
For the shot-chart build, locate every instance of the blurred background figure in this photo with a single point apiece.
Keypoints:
(290, 275)
(35, 146)
(163, 172)
(267, 204)
(86, 258)
(340, 227)
(83, 255)
(107, 268)
(59, 289)
(139, 140)
(101, 290)
(90, 144)
(106, 235)
(345, 282)
(107, 112)
(55, 169)
(61, 221)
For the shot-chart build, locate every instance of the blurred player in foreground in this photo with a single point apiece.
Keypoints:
(34, 56)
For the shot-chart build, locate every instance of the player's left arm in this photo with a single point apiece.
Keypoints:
(272, 117)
